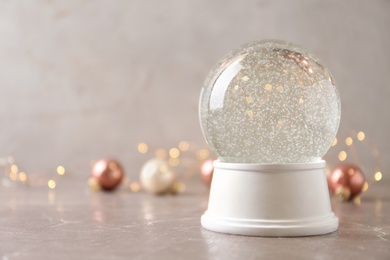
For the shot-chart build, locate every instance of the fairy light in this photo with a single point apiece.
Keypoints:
(349, 141)
(13, 175)
(22, 176)
(143, 148)
(135, 187)
(161, 153)
(93, 184)
(51, 184)
(14, 168)
(174, 152)
(174, 162)
(378, 176)
(61, 170)
(334, 141)
(342, 156)
(365, 187)
(202, 154)
(184, 146)
(361, 135)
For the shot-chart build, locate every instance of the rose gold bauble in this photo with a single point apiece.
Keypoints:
(206, 172)
(346, 181)
(108, 173)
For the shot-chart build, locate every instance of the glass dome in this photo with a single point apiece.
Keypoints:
(269, 102)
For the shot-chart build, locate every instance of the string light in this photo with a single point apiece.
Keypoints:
(51, 184)
(365, 187)
(378, 176)
(174, 152)
(350, 143)
(184, 146)
(342, 156)
(361, 136)
(61, 170)
(143, 148)
(22, 176)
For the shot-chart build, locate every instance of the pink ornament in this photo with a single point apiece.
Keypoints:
(207, 171)
(108, 173)
(346, 181)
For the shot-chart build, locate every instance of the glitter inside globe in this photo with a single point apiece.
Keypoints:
(269, 102)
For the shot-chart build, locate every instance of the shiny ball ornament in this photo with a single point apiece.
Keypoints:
(108, 174)
(157, 176)
(346, 181)
(269, 102)
(206, 172)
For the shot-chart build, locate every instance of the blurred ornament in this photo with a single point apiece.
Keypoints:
(157, 176)
(108, 174)
(346, 181)
(206, 171)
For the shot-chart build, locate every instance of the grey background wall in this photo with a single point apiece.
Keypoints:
(81, 80)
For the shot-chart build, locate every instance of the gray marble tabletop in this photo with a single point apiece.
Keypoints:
(73, 222)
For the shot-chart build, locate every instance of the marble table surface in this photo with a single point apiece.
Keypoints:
(73, 222)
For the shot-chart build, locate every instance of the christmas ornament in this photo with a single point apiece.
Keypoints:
(157, 176)
(346, 181)
(206, 172)
(269, 110)
(108, 173)
(352, 148)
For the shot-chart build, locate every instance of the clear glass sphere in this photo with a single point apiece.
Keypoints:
(269, 102)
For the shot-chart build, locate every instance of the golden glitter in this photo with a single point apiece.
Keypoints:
(310, 70)
(279, 89)
(245, 78)
(250, 113)
(161, 153)
(301, 100)
(184, 146)
(334, 141)
(143, 148)
(236, 87)
(268, 86)
(349, 141)
(342, 156)
(61, 170)
(202, 154)
(365, 187)
(361, 136)
(135, 187)
(51, 184)
(14, 168)
(174, 152)
(280, 124)
(174, 162)
(248, 99)
(378, 176)
(22, 176)
(285, 71)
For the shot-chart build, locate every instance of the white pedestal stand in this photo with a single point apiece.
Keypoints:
(270, 200)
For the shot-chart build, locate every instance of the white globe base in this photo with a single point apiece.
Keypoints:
(280, 200)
